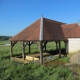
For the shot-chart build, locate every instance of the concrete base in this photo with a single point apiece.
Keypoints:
(33, 58)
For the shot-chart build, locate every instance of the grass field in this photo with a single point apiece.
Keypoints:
(10, 70)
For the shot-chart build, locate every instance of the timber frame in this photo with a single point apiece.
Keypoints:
(41, 45)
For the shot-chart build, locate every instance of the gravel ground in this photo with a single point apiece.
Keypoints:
(74, 66)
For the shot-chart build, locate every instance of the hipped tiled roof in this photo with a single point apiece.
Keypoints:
(71, 30)
(52, 30)
(40, 30)
(32, 32)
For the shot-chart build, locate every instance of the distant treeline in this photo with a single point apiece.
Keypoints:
(5, 38)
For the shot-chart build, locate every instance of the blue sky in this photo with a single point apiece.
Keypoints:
(15, 15)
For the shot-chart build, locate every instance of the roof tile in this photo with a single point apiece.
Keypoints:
(52, 30)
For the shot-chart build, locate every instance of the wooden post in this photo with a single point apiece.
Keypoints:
(45, 46)
(59, 49)
(29, 47)
(41, 53)
(23, 50)
(11, 50)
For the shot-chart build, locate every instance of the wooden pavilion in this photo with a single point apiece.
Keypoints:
(42, 31)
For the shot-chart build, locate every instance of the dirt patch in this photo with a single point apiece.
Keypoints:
(74, 65)
(75, 58)
(54, 63)
(75, 69)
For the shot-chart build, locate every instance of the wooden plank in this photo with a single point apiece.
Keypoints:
(20, 60)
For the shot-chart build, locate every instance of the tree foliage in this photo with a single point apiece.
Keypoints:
(2, 38)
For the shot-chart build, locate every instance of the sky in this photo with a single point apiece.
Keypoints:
(16, 15)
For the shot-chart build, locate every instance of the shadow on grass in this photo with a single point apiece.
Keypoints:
(55, 52)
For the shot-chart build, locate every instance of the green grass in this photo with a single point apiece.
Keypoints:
(10, 70)
(4, 42)
(64, 59)
(31, 71)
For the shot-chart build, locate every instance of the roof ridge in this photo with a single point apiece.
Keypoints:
(41, 29)
(55, 20)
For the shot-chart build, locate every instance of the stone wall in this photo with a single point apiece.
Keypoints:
(73, 45)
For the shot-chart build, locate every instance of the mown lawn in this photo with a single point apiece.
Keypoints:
(10, 70)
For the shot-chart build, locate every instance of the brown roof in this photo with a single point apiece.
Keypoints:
(30, 33)
(52, 30)
(71, 30)
(42, 29)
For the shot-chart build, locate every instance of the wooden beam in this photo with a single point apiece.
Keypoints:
(37, 45)
(45, 47)
(11, 47)
(25, 43)
(45, 44)
(59, 49)
(29, 47)
(23, 50)
(41, 53)
(13, 43)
